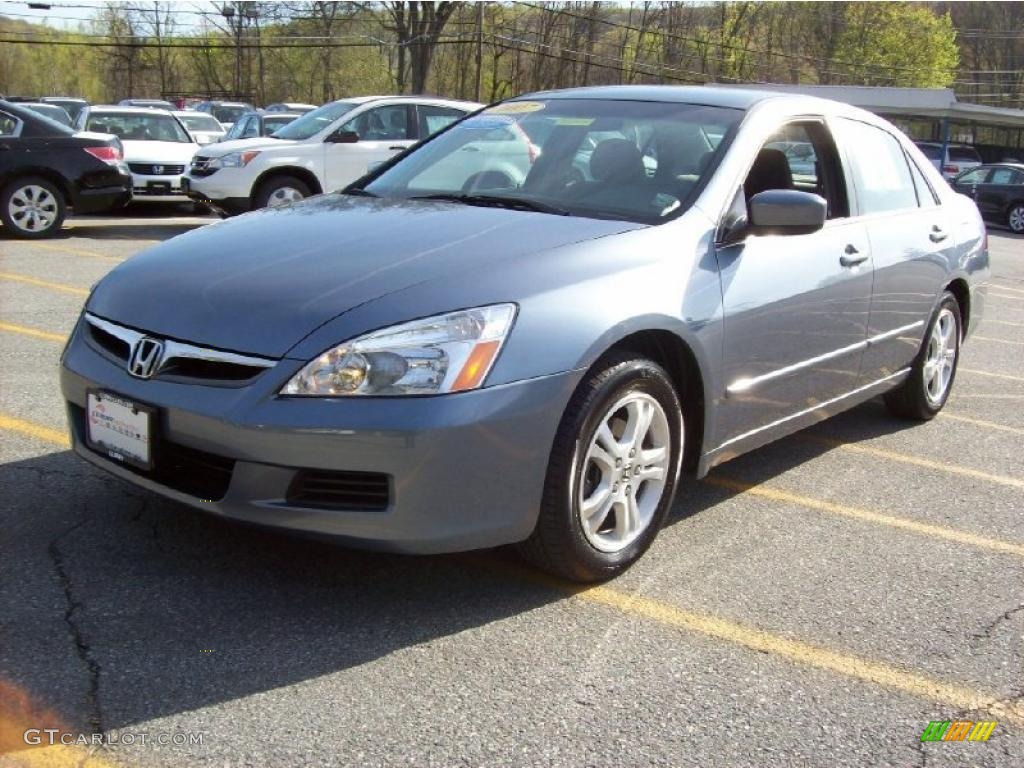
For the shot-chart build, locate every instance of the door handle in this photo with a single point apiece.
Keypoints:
(398, 148)
(937, 235)
(852, 257)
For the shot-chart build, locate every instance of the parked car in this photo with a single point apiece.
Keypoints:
(959, 157)
(72, 104)
(998, 191)
(205, 129)
(253, 125)
(47, 168)
(430, 370)
(226, 112)
(323, 150)
(294, 107)
(157, 148)
(52, 111)
(147, 104)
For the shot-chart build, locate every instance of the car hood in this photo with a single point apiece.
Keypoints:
(150, 151)
(237, 145)
(261, 282)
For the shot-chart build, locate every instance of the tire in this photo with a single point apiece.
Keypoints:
(280, 190)
(200, 209)
(1015, 218)
(927, 388)
(32, 207)
(627, 512)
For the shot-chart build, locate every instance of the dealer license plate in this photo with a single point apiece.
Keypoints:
(120, 428)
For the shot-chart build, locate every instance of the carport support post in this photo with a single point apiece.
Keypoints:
(945, 144)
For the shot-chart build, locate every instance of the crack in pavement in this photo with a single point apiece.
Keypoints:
(986, 634)
(82, 648)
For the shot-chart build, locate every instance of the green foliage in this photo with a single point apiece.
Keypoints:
(897, 44)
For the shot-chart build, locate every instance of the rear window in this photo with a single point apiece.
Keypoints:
(930, 151)
(964, 155)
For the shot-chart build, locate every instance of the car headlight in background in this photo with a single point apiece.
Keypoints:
(233, 159)
(446, 353)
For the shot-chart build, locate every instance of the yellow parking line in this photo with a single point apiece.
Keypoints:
(799, 652)
(795, 651)
(870, 516)
(62, 287)
(74, 251)
(998, 341)
(33, 332)
(37, 431)
(981, 423)
(999, 287)
(917, 461)
(976, 372)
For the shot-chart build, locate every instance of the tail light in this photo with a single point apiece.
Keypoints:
(954, 169)
(108, 154)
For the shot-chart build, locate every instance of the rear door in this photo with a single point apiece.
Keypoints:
(997, 191)
(796, 306)
(910, 244)
(383, 131)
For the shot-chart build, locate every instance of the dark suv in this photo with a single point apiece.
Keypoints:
(45, 168)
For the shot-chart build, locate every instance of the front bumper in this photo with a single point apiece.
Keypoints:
(227, 189)
(465, 471)
(158, 189)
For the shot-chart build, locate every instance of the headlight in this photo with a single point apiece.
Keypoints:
(446, 353)
(233, 159)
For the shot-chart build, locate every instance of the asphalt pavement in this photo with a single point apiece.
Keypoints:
(814, 603)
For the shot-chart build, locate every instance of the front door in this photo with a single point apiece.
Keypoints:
(383, 132)
(796, 306)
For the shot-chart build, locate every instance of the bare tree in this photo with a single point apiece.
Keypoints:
(417, 26)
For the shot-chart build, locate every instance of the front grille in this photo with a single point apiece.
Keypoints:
(186, 470)
(354, 491)
(201, 167)
(118, 348)
(180, 361)
(156, 169)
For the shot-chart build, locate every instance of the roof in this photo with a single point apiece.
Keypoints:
(709, 95)
(101, 108)
(924, 102)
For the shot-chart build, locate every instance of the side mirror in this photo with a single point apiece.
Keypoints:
(786, 212)
(342, 137)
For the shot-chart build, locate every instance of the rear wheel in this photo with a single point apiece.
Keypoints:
(612, 473)
(926, 390)
(280, 190)
(32, 207)
(1015, 218)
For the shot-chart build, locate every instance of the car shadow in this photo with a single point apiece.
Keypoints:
(121, 607)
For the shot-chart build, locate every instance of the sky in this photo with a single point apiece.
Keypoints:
(70, 14)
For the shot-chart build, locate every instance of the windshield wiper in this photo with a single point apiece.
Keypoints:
(500, 201)
(358, 192)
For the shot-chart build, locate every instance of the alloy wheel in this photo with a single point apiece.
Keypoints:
(284, 196)
(941, 357)
(33, 208)
(1016, 219)
(625, 471)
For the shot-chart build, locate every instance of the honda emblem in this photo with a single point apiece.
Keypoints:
(146, 357)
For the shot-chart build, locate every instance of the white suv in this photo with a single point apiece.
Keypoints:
(321, 151)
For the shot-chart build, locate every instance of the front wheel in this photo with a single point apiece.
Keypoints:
(1015, 218)
(280, 190)
(612, 472)
(32, 208)
(926, 389)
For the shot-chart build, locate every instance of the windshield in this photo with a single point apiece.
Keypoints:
(228, 114)
(135, 126)
(200, 122)
(313, 122)
(632, 160)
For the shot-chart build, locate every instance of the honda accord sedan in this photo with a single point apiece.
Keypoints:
(446, 356)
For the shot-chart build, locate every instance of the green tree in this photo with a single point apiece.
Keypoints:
(896, 44)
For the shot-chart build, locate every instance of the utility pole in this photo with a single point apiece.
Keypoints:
(479, 48)
(233, 14)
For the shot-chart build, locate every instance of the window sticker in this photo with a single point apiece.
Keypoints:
(574, 121)
(516, 108)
